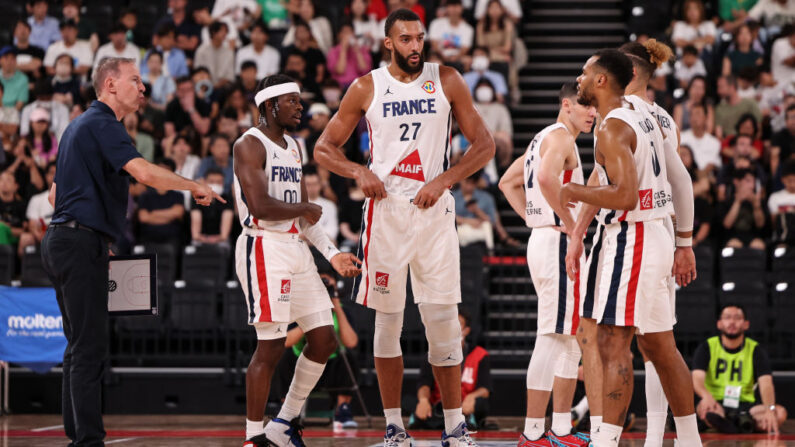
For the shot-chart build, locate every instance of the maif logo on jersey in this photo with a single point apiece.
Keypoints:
(381, 282)
(410, 167)
(285, 290)
(429, 87)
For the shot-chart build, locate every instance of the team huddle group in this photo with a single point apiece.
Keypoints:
(589, 307)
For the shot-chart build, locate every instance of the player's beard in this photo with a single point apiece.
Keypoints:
(584, 97)
(403, 62)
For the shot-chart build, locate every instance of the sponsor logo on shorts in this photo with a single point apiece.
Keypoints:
(285, 290)
(645, 197)
(381, 283)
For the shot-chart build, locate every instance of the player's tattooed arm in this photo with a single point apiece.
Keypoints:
(249, 160)
(615, 143)
(328, 153)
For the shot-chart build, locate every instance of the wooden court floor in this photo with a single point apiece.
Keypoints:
(227, 431)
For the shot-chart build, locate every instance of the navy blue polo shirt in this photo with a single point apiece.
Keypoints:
(91, 186)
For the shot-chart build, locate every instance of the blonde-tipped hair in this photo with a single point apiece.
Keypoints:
(659, 53)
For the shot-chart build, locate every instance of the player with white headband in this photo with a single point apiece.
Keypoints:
(274, 265)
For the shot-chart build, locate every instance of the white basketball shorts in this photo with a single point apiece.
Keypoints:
(634, 288)
(279, 277)
(396, 235)
(558, 296)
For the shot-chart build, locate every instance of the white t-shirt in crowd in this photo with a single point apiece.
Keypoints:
(771, 13)
(512, 7)
(130, 51)
(706, 150)
(451, 38)
(684, 73)
(80, 52)
(267, 61)
(39, 207)
(684, 31)
(781, 51)
(781, 202)
(328, 220)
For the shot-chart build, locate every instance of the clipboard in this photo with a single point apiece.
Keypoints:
(132, 285)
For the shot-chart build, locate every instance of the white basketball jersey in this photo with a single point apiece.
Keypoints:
(667, 124)
(283, 168)
(409, 126)
(654, 191)
(538, 213)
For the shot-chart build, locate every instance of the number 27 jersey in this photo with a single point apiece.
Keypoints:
(409, 126)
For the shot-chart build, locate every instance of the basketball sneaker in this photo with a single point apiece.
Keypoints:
(458, 437)
(573, 439)
(343, 417)
(543, 441)
(397, 437)
(258, 441)
(281, 433)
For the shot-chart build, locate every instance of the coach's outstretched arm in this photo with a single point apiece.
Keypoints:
(152, 175)
(615, 141)
(249, 158)
(327, 148)
(474, 129)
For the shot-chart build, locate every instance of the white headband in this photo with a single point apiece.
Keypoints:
(276, 90)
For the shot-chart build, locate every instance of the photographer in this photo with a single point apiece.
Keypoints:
(726, 371)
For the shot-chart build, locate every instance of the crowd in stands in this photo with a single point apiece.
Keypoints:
(731, 91)
(201, 63)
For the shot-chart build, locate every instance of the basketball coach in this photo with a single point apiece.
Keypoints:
(90, 193)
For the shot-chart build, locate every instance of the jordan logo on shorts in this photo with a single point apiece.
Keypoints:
(381, 283)
(285, 290)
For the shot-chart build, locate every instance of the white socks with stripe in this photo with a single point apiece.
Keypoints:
(687, 431)
(306, 375)
(561, 424)
(254, 428)
(452, 419)
(533, 428)
(656, 408)
(393, 417)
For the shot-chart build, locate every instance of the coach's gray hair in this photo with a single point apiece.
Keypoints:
(108, 66)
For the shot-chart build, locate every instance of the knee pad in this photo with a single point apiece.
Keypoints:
(386, 342)
(443, 332)
(568, 360)
(539, 374)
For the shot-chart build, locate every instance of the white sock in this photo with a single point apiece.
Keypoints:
(393, 417)
(596, 421)
(687, 430)
(561, 423)
(254, 428)
(452, 418)
(306, 375)
(609, 435)
(656, 408)
(533, 428)
(582, 407)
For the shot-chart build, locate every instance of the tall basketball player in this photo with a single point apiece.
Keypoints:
(274, 265)
(632, 294)
(646, 58)
(409, 214)
(532, 186)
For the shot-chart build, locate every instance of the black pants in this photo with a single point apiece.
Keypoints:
(77, 264)
(436, 420)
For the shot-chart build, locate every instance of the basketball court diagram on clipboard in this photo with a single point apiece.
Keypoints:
(132, 285)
